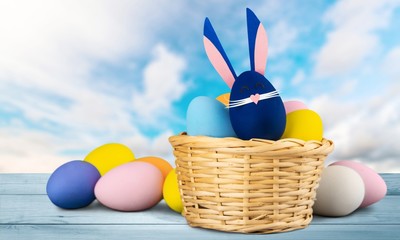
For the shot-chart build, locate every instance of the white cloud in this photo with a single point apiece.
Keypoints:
(361, 15)
(364, 124)
(332, 110)
(24, 150)
(367, 131)
(53, 45)
(59, 38)
(353, 38)
(277, 82)
(391, 63)
(158, 146)
(348, 86)
(162, 85)
(49, 52)
(281, 37)
(298, 78)
(343, 52)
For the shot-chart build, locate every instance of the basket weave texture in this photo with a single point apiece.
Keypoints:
(255, 186)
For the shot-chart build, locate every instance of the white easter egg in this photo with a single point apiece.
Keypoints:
(340, 192)
(375, 186)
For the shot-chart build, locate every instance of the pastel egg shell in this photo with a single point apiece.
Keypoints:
(171, 192)
(163, 165)
(303, 124)
(208, 117)
(72, 185)
(108, 156)
(375, 186)
(133, 186)
(340, 192)
(294, 105)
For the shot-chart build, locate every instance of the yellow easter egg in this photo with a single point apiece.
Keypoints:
(108, 156)
(303, 124)
(171, 192)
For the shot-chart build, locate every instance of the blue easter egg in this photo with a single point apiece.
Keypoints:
(72, 185)
(208, 117)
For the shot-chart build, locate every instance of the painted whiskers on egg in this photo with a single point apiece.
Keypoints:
(252, 99)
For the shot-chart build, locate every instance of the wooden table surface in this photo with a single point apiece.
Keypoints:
(27, 213)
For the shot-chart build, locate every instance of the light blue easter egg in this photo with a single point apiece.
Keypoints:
(208, 117)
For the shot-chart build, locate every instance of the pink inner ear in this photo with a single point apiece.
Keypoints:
(218, 62)
(261, 50)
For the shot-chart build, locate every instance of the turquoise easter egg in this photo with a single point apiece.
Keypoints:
(208, 117)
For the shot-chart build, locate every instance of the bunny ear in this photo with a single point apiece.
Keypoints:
(217, 55)
(258, 43)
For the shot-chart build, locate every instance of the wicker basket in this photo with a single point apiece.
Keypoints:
(255, 186)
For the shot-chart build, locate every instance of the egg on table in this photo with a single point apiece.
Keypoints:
(375, 186)
(171, 192)
(72, 185)
(133, 186)
(340, 192)
(162, 165)
(108, 156)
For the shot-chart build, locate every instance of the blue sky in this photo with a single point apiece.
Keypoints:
(78, 74)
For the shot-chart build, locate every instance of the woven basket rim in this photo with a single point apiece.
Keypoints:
(251, 146)
(300, 141)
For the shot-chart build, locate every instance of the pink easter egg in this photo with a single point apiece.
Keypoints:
(291, 106)
(133, 186)
(375, 186)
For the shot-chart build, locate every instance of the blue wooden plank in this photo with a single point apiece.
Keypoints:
(34, 183)
(386, 211)
(393, 183)
(26, 213)
(37, 209)
(26, 183)
(165, 232)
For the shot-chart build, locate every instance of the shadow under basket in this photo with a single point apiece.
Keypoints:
(254, 186)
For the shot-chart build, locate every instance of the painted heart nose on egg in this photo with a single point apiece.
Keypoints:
(255, 98)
